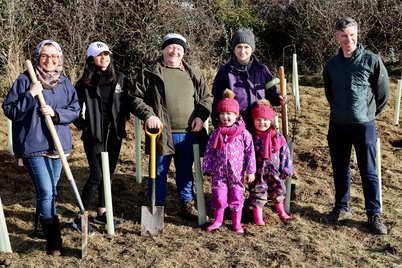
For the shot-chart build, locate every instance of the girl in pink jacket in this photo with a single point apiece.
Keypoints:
(228, 157)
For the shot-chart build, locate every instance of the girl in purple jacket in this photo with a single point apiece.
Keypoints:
(228, 157)
(274, 163)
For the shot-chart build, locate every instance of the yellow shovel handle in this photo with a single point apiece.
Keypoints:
(153, 136)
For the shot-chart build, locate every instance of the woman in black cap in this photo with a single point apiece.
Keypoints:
(103, 92)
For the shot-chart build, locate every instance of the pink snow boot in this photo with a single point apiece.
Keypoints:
(219, 215)
(280, 208)
(236, 221)
(258, 218)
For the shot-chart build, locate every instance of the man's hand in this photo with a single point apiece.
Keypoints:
(153, 122)
(196, 125)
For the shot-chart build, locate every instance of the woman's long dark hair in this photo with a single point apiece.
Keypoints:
(90, 71)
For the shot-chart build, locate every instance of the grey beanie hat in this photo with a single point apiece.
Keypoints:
(243, 36)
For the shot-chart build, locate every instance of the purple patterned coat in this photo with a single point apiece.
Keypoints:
(271, 174)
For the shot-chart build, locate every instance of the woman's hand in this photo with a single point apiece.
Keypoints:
(35, 89)
(283, 99)
(47, 110)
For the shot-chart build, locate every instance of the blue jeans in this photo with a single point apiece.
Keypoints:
(363, 137)
(45, 173)
(183, 161)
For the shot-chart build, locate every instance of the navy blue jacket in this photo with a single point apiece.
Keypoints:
(31, 135)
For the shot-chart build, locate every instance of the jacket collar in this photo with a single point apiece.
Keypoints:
(235, 65)
(358, 50)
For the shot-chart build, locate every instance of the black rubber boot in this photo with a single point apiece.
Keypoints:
(38, 232)
(51, 228)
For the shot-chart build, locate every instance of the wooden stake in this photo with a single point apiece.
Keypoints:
(284, 110)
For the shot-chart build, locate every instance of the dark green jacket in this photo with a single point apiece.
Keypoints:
(148, 98)
(356, 88)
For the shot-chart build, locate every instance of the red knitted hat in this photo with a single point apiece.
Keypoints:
(263, 111)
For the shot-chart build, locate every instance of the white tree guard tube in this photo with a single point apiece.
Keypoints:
(288, 184)
(206, 125)
(202, 215)
(284, 107)
(137, 133)
(108, 193)
(378, 166)
(5, 245)
(295, 81)
(398, 103)
(289, 181)
(10, 136)
(276, 122)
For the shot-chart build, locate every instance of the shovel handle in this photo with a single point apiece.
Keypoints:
(153, 136)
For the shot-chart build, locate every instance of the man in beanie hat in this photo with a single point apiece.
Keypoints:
(174, 38)
(229, 155)
(169, 94)
(274, 163)
(245, 76)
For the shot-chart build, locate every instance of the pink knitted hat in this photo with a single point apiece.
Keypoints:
(263, 111)
(228, 103)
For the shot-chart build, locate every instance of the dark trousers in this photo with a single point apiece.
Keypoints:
(94, 183)
(363, 137)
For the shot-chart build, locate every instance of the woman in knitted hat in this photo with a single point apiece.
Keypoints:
(32, 140)
(274, 163)
(246, 77)
(229, 155)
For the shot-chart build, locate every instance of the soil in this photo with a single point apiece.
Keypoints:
(303, 242)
